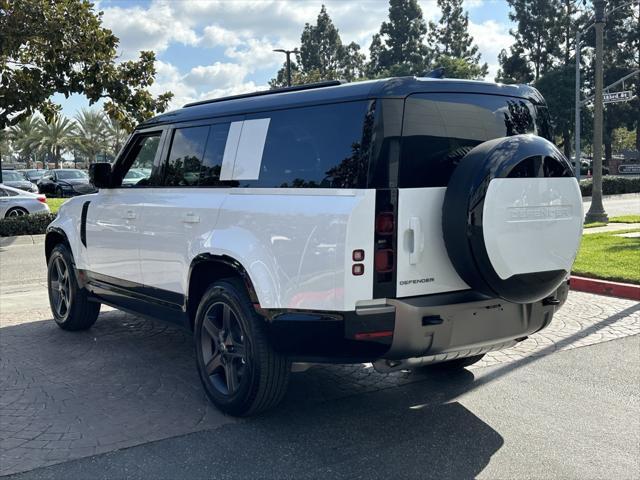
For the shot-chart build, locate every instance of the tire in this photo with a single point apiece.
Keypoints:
(16, 212)
(69, 303)
(241, 373)
(453, 365)
(59, 193)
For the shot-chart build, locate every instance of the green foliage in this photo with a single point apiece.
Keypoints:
(558, 89)
(56, 136)
(514, 67)
(453, 45)
(612, 186)
(625, 219)
(609, 257)
(24, 138)
(60, 46)
(90, 136)
(322, 56)
(26, 224)
(399, 48)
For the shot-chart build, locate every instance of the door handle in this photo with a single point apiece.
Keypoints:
(190, 217)
(130, 215)
(415, 226)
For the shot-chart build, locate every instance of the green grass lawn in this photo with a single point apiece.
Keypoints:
(609, 257)
(620, 219)
(54, 203)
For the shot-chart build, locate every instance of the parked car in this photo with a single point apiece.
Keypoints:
(33, 174)
(404, 222)
(16, 179)
(15, 202)
(134, 176)
(65, 182)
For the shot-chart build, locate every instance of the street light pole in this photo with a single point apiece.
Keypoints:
(578, 152)
(288, 54)
(596, 212)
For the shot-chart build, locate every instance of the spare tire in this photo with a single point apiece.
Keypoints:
(512, 218)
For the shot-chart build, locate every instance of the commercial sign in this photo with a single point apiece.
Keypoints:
(629, 169)
(615, 97)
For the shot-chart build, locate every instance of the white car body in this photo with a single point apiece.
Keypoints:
(15, 202)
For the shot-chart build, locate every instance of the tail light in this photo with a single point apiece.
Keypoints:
(385, 223)
(42, 198)
(384, 260)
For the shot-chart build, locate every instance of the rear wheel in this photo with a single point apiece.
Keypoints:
(240, 371)
(16, 212)
(70, 304)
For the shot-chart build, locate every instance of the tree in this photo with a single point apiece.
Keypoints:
(24, 137)
(399, 48)
(514, 66)
(116, 136)
(538, 26)
(60, 46)
(56, 136)
(452, 44)
(90, 137)
(558, 88)
(322, 55)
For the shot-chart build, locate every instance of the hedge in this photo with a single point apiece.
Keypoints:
(612, 186)
(26, 224)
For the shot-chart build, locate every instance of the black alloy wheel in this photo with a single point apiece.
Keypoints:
(240, 371)
(224, 351)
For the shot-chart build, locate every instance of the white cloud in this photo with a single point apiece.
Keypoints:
(221, 75)
(491, 37)
(152, 28)
(215, 35)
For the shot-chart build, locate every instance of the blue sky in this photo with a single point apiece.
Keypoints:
(211, 48)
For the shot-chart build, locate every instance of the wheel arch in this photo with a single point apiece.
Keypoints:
(207, 268)
(54, 237)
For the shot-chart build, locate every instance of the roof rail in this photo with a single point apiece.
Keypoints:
(295, 88)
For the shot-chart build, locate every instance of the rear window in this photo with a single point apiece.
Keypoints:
(440, 128)
(314, 147)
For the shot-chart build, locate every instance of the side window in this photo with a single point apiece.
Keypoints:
(186, 156)
(138, 164)
(313, 147)
(3, 192)
(213, 154)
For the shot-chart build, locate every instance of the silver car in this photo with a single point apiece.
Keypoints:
(15, 202)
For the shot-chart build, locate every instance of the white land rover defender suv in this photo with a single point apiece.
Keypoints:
(403, 222)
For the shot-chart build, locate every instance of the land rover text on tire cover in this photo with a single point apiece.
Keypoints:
(404, 222)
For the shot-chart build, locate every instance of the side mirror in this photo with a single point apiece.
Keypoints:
(100, 174)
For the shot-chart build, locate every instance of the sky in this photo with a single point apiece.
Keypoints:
(212, 48)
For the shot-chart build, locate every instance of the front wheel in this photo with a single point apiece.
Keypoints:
(59, 193)
(240, 371)
(70, 305)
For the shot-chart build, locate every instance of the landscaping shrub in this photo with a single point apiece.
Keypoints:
(612, 186)
(26, 225)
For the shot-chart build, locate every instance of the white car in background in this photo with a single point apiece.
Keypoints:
(15, 202)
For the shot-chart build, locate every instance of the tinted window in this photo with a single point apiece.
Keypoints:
(11, 176)
(440, 129)
(316, 146)
(136, 168)
(195, 156)
(70, 174)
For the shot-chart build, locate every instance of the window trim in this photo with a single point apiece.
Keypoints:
(126, 150)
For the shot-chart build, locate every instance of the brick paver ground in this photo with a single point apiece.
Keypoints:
(130, 381)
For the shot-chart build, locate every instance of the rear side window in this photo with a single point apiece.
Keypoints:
(441, 128)
(195, 156)
(313, 147)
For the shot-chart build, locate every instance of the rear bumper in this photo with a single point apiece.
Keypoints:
(430, 328)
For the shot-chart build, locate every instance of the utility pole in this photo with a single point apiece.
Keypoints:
(288, 54)
(578, 147)
(596, 212)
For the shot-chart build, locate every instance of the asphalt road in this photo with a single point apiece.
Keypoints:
(573, 414)
(616, 205)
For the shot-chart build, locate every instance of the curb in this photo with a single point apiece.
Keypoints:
(605, 287)
(21, 240)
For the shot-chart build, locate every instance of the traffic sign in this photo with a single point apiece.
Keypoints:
(615, 97)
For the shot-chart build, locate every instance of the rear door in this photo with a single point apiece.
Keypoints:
(439, 129)
(181, 212)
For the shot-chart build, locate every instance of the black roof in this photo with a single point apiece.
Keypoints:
(331, 92)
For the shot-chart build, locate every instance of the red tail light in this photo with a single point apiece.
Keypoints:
(385, 223)
(42, 199)
(384, 260)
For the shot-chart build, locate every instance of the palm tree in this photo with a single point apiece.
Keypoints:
(25, 138)
(56, 136)
(117, 136)
(91, 134)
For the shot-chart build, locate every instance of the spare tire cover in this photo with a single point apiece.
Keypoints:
(512, 218)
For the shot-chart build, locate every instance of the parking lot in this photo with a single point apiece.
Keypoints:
(123, 399)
